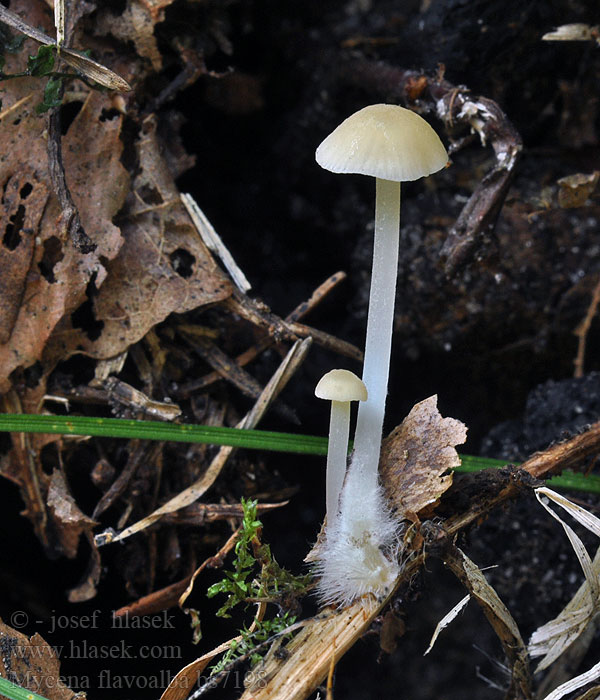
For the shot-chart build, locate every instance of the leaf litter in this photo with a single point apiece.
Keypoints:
(553, 638)
(32, 663)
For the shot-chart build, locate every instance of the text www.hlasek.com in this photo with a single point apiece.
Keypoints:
(84, 650)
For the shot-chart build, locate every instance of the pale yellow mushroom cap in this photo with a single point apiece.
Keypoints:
(384, 141)
(341, 385)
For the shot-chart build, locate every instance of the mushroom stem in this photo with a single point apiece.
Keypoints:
(380, 321)
(337, 454)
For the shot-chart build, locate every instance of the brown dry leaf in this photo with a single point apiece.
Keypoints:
(417, 455)
(574, 190)
(86, 588)
(186, 678)
(23, 201)
(137, 23)
(49, 277)
(69, 521)
(163, 266)
(32, 663)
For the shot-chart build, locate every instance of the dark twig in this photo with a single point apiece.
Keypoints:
(582, 331)
(119, 485)
(254, 351)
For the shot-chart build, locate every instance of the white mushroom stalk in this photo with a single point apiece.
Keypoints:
(337, 455)
(393, 145)
(380, 322)
(340, 386)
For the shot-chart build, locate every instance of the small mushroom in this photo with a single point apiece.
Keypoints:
(340, 386)
(393, 145)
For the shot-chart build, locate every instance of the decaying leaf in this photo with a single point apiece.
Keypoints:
(163, 266)
(499, 618)
(23, 201)
(553, 638)
(31, 663)
(50, 276)
(574, 190)
(417, 456)
(69, 522)
(137, 23)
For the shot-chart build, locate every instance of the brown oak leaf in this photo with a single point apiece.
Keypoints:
(418, 456)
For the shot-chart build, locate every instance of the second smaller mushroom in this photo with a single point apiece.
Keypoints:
(340, 386)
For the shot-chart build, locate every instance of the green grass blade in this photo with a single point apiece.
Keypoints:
(15, 692)
(215, 435)
(172, 432)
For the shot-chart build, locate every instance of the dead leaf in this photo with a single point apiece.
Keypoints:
(553, 638)
(578, 682)
(31, 663)
(393, 628)
(50, 276)
(70, 523)
(137, 23)
(574, 190)
(23, 201)
(499, 618)
(417, 456)
(163, 266)
(86, 588)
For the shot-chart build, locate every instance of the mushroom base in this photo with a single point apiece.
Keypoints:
(358, 557)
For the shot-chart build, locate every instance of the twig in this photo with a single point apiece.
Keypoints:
(582, 331)
(214, 242)
(137, 453)
(260, 315)
(230, 370)
(252, 352)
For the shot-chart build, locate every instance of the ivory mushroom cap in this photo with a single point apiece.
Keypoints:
(341, 385)
(385, 141)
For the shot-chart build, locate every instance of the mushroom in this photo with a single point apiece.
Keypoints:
(340, 386)
(393, 145)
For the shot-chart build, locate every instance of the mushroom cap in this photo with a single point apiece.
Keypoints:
(341, 385)
(384, 141)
